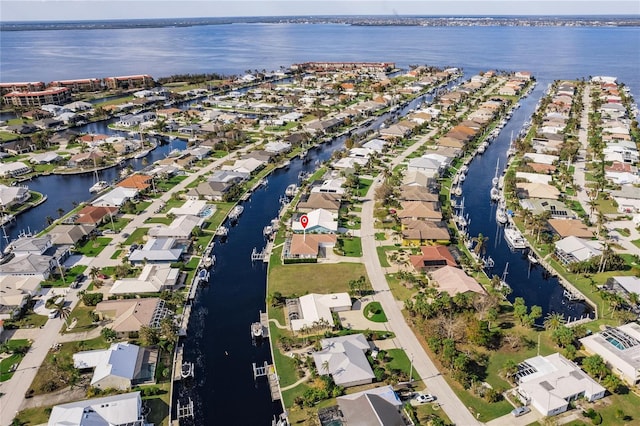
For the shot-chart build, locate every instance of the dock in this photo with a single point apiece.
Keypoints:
(269, 371)
(177, 363)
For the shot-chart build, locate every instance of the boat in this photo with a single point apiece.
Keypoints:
(457, 191)
(514, 238)
(302, 154)
(99, 186)
(256, 330)
(503, 279)
(222, 231)
(203, 275)
(187, 370)
(501, 216)
(235, 212)
(267, 231)
(461, 177)
(291, 190)
(141, 154)
(481, 149)
(495, 194)
(532, 258)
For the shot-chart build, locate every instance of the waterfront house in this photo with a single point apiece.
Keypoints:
(308, 246)
(537, 190)
(429, 167)
(550, 383)
(115, 198)
(320, 200)
(277, 147)
(29, 265)
(349, 163)
(570, 227)
(619, 347)
(153, 278)
(541, 158)
(454, 280)
(180, 228)
(416, 193)
(419, 232)
(122, 409)
(193, 207)
(45, 158)
(556, 208)
(432, 257)
(414, 178)
(320, 221)
(573, 249)
(158, 250)
(209, 190)
(247, 165)
(312, 309)
(14, 169)
(423, 210)
(136, 181)
(13, 195)
(121, 366)
(95, 215)
(372, 407)
(344, 359)
(534, 178)
(86, 159)
(12, 301)
(128, 315)
(69, 234)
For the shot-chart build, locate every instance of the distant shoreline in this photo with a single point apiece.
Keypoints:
(373, 20)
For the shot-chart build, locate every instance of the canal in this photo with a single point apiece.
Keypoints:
(528, 281)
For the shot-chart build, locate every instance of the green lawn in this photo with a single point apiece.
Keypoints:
(6, 364)
(313, 278)
(93, 248)
(374, 312)
(136, 236)
(380, 236)
(352, 247)
(606, 206)
(69, 276)
(159, 219)
(83, 317)
(400, 361)
(363, 187)
(117, 225)
(34, 416)
(398, 289)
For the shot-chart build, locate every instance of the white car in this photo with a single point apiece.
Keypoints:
(427, 397)
(53, 313)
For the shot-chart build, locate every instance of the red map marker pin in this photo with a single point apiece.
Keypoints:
(304, 221)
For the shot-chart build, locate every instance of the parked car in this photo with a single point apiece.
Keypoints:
(80, 277)
(53, 313)
(427, 397)
(520, 411)
(405, 394)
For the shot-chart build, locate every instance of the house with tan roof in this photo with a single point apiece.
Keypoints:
(570, 227)
(432, 257)
(320, 200)
(537, 190)
(129, 315)
(153, 278)
(69, 234)
(454, 281)
(417, 193)
(309, 246)
(420, 210)
(419, 232)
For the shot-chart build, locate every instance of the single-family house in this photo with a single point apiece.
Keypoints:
(570, 227)
(129, 315)
(454, 281)
(122, 409)
(154, 278)
(95, 215)
(372, 407)
(311, 246)
(573, 249)
(418, 232)
(70, 234)
(320, 200)
(316, 308)
(432, 257)
(13, 195)
(158, 250)
(344, 359)
(13, 169)
(550, 383)
(180, 228)
(121, 366)
(619, 347)
(116, 197)
(320, 221)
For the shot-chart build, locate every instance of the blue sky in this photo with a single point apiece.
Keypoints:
(31, 10)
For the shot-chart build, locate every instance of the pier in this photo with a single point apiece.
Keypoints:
(262, 255)
(269, 371)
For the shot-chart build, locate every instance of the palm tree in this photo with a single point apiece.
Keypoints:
(480, 244)
(60, 212)
(553, 321)
(63, 311)
(93, 272)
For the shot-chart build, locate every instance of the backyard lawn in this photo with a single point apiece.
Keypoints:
(93, 248)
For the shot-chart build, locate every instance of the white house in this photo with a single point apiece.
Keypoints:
(331, 186)
(314, 308)
(119, 367)
(620, 348)
(320, 221)
(277, 147)
(13, 169)
(180, 228)
(573, 249)
(123, 409)
(116, 197)
(550, 383)
(344, 359)
(11, 195)
(153, 278)
(158, 250)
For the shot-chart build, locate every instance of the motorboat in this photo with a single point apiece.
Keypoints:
(187, 370)
(291, 190)
(99, 186)
(495, 194)
(235, 212)
(496, 179)
(501, 216)
(532, 258)
(203, 275)
(514, 238)
(256, 330)
(141, 154)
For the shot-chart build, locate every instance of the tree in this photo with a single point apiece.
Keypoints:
(148, 336)
(595, 366)
(60, 212)
(108, 334)
(169, 330)
(63, 311)
(93, 272)
(553, 321)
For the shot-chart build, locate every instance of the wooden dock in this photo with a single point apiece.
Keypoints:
(269, 371)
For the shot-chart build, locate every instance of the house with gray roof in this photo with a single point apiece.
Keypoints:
(122, 409)
(180, 229)
(344, 359)
(573, 249)
(372, 407)
(619, 347)
(121, 366)
(158, 250)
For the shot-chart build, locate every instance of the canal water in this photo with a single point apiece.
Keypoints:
(531, 282)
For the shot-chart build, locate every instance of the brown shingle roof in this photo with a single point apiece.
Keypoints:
(570, 227)
(136, 181)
